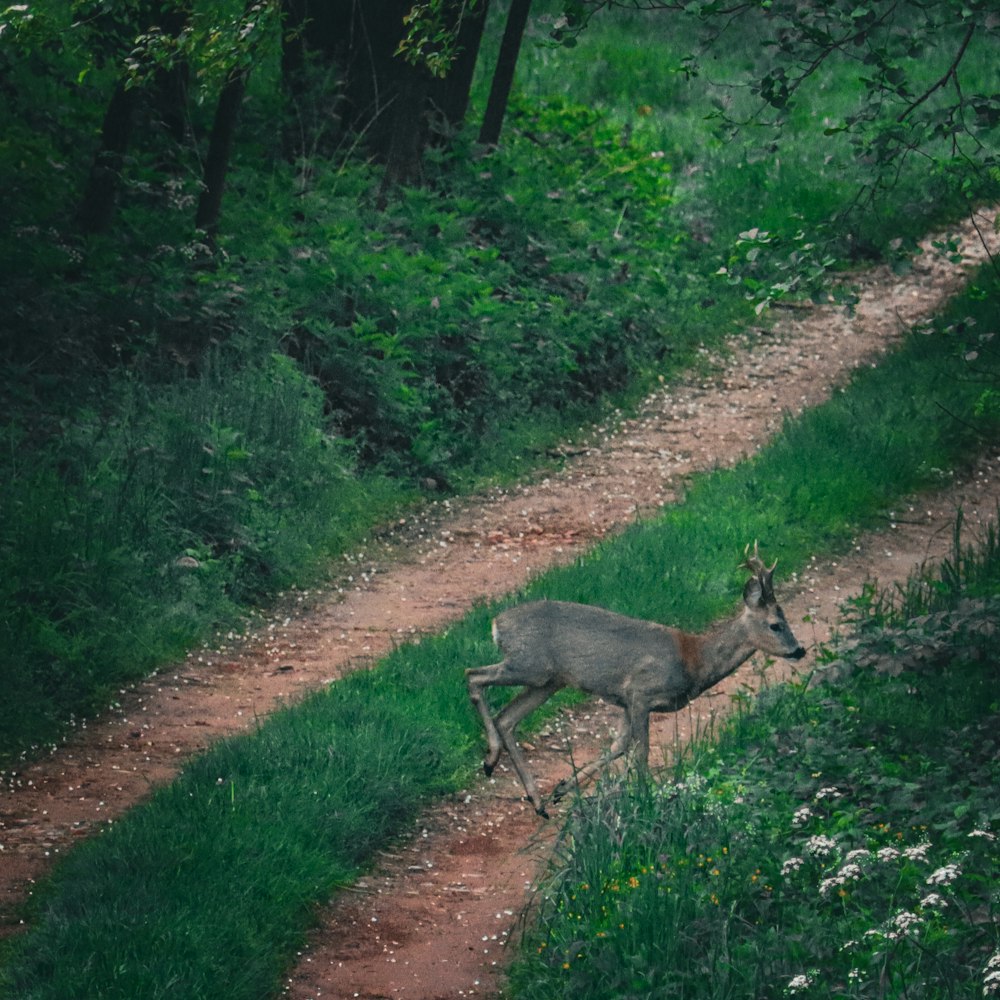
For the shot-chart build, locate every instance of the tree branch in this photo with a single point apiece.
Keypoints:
(952, 71)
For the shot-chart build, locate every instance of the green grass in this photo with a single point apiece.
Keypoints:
(128, 533)
(833, 841)
(231, 859)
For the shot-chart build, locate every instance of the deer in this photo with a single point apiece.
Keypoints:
(640, 666)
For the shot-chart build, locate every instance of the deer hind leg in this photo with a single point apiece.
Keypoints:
(507, 721)
(500, 730)
(478, 679)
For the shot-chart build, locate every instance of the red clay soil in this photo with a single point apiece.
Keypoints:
(431, 921)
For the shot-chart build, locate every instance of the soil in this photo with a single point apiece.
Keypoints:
(432, 919)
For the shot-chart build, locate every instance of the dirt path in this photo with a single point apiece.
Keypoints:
(432, 923)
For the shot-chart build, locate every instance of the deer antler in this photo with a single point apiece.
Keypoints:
(760, 581)
(755, 564)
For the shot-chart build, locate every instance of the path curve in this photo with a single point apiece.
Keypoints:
(428, 572)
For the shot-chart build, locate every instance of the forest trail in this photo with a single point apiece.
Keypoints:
(430, 922)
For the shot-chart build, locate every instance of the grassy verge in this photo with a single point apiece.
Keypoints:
(206, 890)
(837, 840)
(125, 536)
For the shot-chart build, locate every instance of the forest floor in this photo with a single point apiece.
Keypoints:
(432, 919)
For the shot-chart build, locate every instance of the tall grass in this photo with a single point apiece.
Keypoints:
(970, 571)
(129, 528)
(207, 889)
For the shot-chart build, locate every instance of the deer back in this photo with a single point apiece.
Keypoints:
(563, 644)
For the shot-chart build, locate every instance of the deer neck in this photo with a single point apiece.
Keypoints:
(715, 654)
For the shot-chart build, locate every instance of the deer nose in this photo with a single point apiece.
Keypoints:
(798, 654)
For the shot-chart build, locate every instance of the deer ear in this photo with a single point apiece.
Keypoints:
(753, 593)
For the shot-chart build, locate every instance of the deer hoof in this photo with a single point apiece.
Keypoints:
(543, 812)
(488, 768)
(560, 790)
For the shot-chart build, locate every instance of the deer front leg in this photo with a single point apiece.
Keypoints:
(477, 680)
(507, 722)
(618, 749)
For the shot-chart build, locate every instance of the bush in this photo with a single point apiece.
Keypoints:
(123, 538)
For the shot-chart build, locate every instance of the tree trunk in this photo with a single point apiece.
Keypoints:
(220, 147)
(293, 44)
(171, 99)
(377, 80)
(408, 134)
(383, 97)
(98, 204)
(315, 42)
(170, 87)
(451, 95)
(503, 75)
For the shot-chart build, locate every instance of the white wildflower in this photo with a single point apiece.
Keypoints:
(905, 922)
(918, 852)
(887, 854)
(799, 983)
(858, 854)
(991, 976)
(830, 792)
(820, 845)
(944, 875)
(847, 873)
(932, 901)
(802, 815)
(696, 782)
(827, 884)
(985, 834)
(792, 865)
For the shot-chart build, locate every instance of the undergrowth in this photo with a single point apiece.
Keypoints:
(132, 528)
